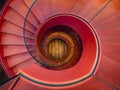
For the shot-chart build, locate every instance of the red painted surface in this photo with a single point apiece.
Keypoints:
(15, 59)
(4, 64)
(86, 62)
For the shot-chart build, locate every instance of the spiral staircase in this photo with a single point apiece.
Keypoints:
(60, 44)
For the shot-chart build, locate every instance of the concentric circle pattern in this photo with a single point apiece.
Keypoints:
(81, 46)
(61, 44)
(64, 33)
(57, 49)
(71, 33)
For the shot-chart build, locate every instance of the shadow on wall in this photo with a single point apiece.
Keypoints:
(2, 3)
(3, 76)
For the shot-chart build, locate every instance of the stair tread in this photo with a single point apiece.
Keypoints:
(36, 10)
(16, 59)
(15, 30)
(112, 70)
(88, 10)
(24, 64)
(13, 50)
(16, 5)
(12, 39)
(15, 18)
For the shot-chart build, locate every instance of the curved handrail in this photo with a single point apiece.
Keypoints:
(24, 34)
(66, 84)
(57, 85)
